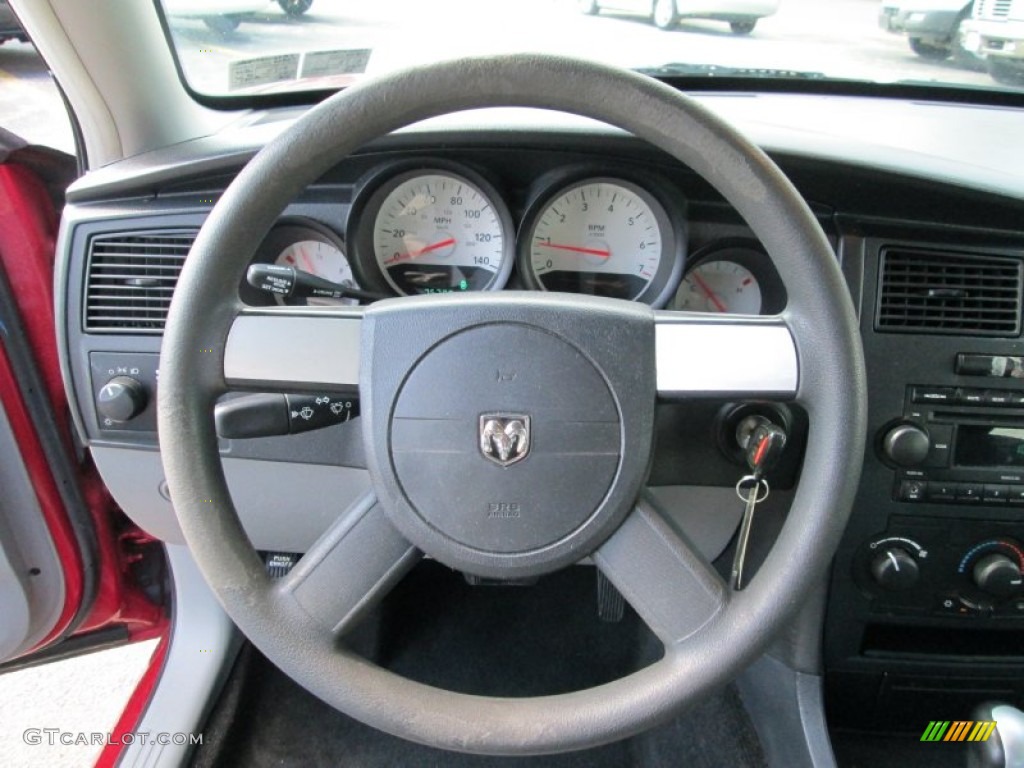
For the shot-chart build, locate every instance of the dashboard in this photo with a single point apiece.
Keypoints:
(925, 597)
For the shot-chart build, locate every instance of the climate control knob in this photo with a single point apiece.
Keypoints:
(894, 569)
(906, 445)
(121, 399)
(997, 575)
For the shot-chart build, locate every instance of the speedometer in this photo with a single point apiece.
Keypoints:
(602, 236)
(437, 231)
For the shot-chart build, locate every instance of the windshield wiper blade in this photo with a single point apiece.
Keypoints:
(679, 69)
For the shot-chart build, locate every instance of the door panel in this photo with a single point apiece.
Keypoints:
(42, 548)
(71, 565)
(32, 587)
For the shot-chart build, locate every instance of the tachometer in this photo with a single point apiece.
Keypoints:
(438, 231)
(602, 236)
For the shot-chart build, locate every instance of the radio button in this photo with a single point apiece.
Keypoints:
(1017, 398)
(913, 490)
(1016, 494)
(972, 396)
(941, 439)
(939, 490)
(975, 365)
(969, 492)
(933, 394)
(996, 494)
(906, 445)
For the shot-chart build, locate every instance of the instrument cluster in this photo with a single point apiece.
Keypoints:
(442, 227)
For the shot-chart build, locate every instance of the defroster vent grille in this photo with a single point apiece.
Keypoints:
(923, 291)
(131, 277)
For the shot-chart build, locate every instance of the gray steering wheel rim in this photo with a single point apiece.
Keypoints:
(820, 316)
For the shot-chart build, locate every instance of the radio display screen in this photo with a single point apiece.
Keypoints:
(989, 446)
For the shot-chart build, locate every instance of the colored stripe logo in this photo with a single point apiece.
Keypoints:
(958, 730)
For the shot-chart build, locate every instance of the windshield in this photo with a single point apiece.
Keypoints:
(246, 47)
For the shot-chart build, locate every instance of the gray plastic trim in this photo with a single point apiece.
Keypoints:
(30, 605)
(203, 647)
(725, 357)
(281, 346)
(708, 515)
(268, 494)
(694, 354)
(645, 551)
(266, 501)
(125, 93)
(788, 711)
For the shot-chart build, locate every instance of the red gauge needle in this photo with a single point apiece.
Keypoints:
(577, 249)
(425, 249)
(709, 293)
(307, 261)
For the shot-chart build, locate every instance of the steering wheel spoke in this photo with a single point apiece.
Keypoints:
(734, 356)
(354, 564)
(293, 349)
(673, 588)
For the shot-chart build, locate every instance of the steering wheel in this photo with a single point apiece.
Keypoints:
(435, 373)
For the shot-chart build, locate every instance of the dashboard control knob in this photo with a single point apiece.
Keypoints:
(121, 399)
(894, 569)
(997, 575)
(906, 445)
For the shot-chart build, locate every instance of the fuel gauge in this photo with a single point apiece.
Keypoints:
(719, 286)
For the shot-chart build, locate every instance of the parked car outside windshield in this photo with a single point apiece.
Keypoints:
(934, 29)
(332, 43)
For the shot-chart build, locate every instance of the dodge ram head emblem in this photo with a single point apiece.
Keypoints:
(504, 438)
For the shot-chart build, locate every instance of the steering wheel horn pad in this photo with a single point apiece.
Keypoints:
(507, 435)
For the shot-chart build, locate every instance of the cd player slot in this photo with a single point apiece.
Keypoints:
(974, 417)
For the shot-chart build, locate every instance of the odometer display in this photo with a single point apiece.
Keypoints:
(440, 232)
(604, 237)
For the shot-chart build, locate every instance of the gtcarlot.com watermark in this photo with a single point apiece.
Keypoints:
(54, 736)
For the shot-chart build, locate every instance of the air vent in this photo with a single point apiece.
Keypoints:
(131, 277)
(953, 293)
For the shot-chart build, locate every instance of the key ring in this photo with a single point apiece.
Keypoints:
(758, 482)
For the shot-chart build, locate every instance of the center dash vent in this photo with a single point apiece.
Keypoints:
(131, 277)
(950, 293)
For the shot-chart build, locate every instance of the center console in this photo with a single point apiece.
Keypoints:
(926, 608)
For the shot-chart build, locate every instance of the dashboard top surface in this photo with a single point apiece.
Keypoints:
(973, 146)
